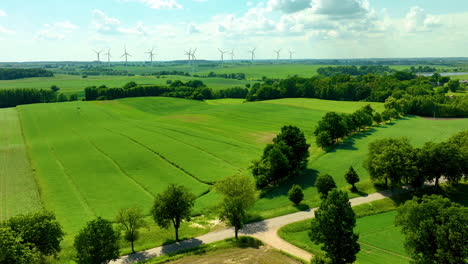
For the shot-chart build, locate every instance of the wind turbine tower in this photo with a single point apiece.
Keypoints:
(222, 57)
(232, 55)
(98, 54)
(126, 54)
(252, 54)
(108, 54)
(277, 55)
(151, 55)
(290, 55)
(189, 54)
(192, 55)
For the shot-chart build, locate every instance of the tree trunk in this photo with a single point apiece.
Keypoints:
(386, 182)
(236, 230)
(133, 249)
(437, 182)
(176, 234)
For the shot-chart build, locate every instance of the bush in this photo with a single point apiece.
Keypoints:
(324, 184)
(295, 194)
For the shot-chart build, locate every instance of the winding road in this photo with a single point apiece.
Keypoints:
(266, 231)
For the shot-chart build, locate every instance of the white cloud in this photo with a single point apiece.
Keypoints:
(159, 4)
(4, 30)
(106, 25)
(192, 29)
(418, 20)
(288, 6)
(56, 31)
(2, 13)
(341, 8)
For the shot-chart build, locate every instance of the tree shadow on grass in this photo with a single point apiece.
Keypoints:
(306, 179)
(180, 246)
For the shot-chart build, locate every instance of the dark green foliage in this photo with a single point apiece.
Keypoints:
(460, 140)
(238, 194)
(18, 73)
(62, 98)
(333, 227)
(13, 250)
(236, 76)
(130, 85)
(352, 177)
(392, 159)
(97, 243)
(377, 118)
(130, 220)
(283, 159)
(235, 92)
(14, 97)
(334, 127)
(295, 194)
(325, 184)
(173, 206)
(435, 230)
(40, 229)
(353, 70)
(320, 260)
(73, 97)
(54, 88)
(453, 85)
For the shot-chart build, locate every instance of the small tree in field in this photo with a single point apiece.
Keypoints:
(352, 177)
(295, 194)
(325, 183)
(173, 206)
(97, 243)
(238, 195)
(131, 219)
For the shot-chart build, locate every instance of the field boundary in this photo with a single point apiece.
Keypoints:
(384, 250)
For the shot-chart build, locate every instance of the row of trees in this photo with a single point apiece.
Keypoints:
(353, 70)
(14, 97)
(283, 159)
(396, 161)
(236, 76)
(19, 73)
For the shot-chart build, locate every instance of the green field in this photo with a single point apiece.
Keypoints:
(380, 240)
(92, 158)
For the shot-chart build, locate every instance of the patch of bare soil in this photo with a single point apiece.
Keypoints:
(262, 255)
(263, 137)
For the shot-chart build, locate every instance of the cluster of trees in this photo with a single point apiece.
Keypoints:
(421, 69)
(334, 126)
(397, 161)
(26, 239)
(284, 158)
(236, 76)
(353, 70)
(422, 95)
(174, 72)
(19, 73)
(14, 97)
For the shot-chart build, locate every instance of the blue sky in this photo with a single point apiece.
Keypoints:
(70, 29)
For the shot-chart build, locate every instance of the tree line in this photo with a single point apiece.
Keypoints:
(418, 95)
(353, 70)
(14, 97)
(19, 73)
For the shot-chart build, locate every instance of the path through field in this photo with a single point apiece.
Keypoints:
(264, 230)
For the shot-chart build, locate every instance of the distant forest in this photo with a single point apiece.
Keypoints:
(19, 73)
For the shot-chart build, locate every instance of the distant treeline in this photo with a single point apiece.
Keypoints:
(193, 89)
(19, 73)
(417, 95)
(422, 69)
(235, 76)
(353, 70)
(14, 97)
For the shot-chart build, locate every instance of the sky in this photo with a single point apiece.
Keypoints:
(65, 30)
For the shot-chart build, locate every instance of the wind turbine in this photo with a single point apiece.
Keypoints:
(189, 54)
(232, 55)
(108, 54)
(151, 55)
(194, 59)
(98, 54)
(126, 54)
(222, 56)
(252, 53)
(277, 54)
(290, 55)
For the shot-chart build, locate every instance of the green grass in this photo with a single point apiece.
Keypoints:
(18, 189)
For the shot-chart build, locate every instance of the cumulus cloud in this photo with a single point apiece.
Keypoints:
(2, 13)
(4, 30)
(56, 31)
(160, 4)
(418, 20)
(106, 25)
(288, 6)
(341, 8)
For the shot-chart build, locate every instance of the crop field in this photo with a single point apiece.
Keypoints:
(380, 240)
(18, 189)
(140, 145)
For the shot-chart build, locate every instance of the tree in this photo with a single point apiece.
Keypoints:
(435, 230)
(62, 98)
(317, 259)
(460, 140)
(352, 177)
(130, 85)
(54, 88)
(333, 226)
(73, 97)
(453, 85)
(131, 219)
(295, 194)
(173, 205)
(442, 159)
(294, 138)
(14, 250)
(392, 159)
(238, 194)
(97, 243)
(334, 124)
(325, 183)
(378, 118)
(39, 229)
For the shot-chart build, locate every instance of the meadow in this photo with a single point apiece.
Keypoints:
(92, 158)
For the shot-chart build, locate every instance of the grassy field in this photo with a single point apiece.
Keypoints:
(18, 189)
(93, 158)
